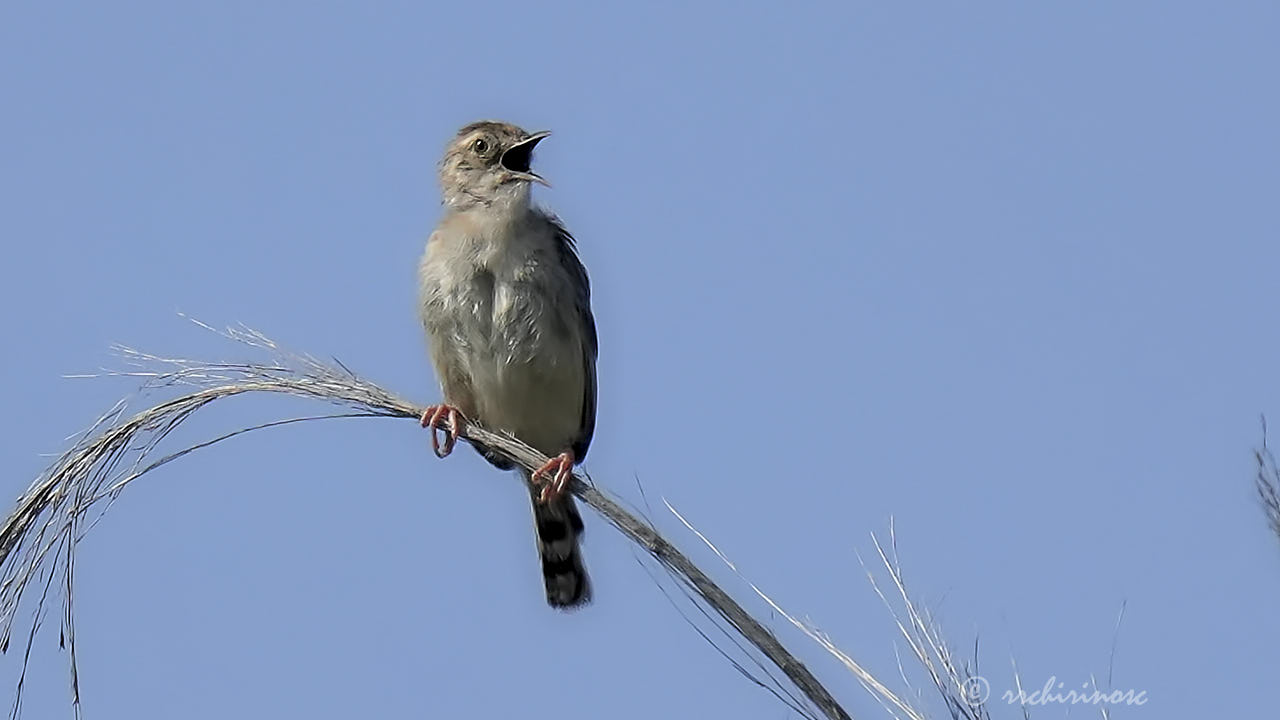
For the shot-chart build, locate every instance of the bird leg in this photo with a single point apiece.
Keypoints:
(558, 471)
(431, 418)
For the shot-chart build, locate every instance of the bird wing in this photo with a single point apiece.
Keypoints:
(568, 256)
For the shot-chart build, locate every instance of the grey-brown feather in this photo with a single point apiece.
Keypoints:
(506, 305)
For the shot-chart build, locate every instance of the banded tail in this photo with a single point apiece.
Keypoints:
(559, 530)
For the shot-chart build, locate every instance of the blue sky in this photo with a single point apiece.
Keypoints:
(1005, 273)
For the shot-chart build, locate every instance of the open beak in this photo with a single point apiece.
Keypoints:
(517, 158)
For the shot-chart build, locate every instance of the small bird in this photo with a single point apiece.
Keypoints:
(507, 309)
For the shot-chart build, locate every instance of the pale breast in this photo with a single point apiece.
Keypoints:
(499, 313)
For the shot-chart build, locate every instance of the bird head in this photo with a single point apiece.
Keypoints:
(488, 162)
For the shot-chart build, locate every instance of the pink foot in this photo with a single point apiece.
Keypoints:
(558, 471)
(431, 418)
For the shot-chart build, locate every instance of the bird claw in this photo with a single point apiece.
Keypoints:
(559, 471)
(431, 418)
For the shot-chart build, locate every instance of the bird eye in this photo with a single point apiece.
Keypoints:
(480, 146)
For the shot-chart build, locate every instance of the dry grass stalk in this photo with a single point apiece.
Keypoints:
(961, 689)
(1267, 482)
(39, 537)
